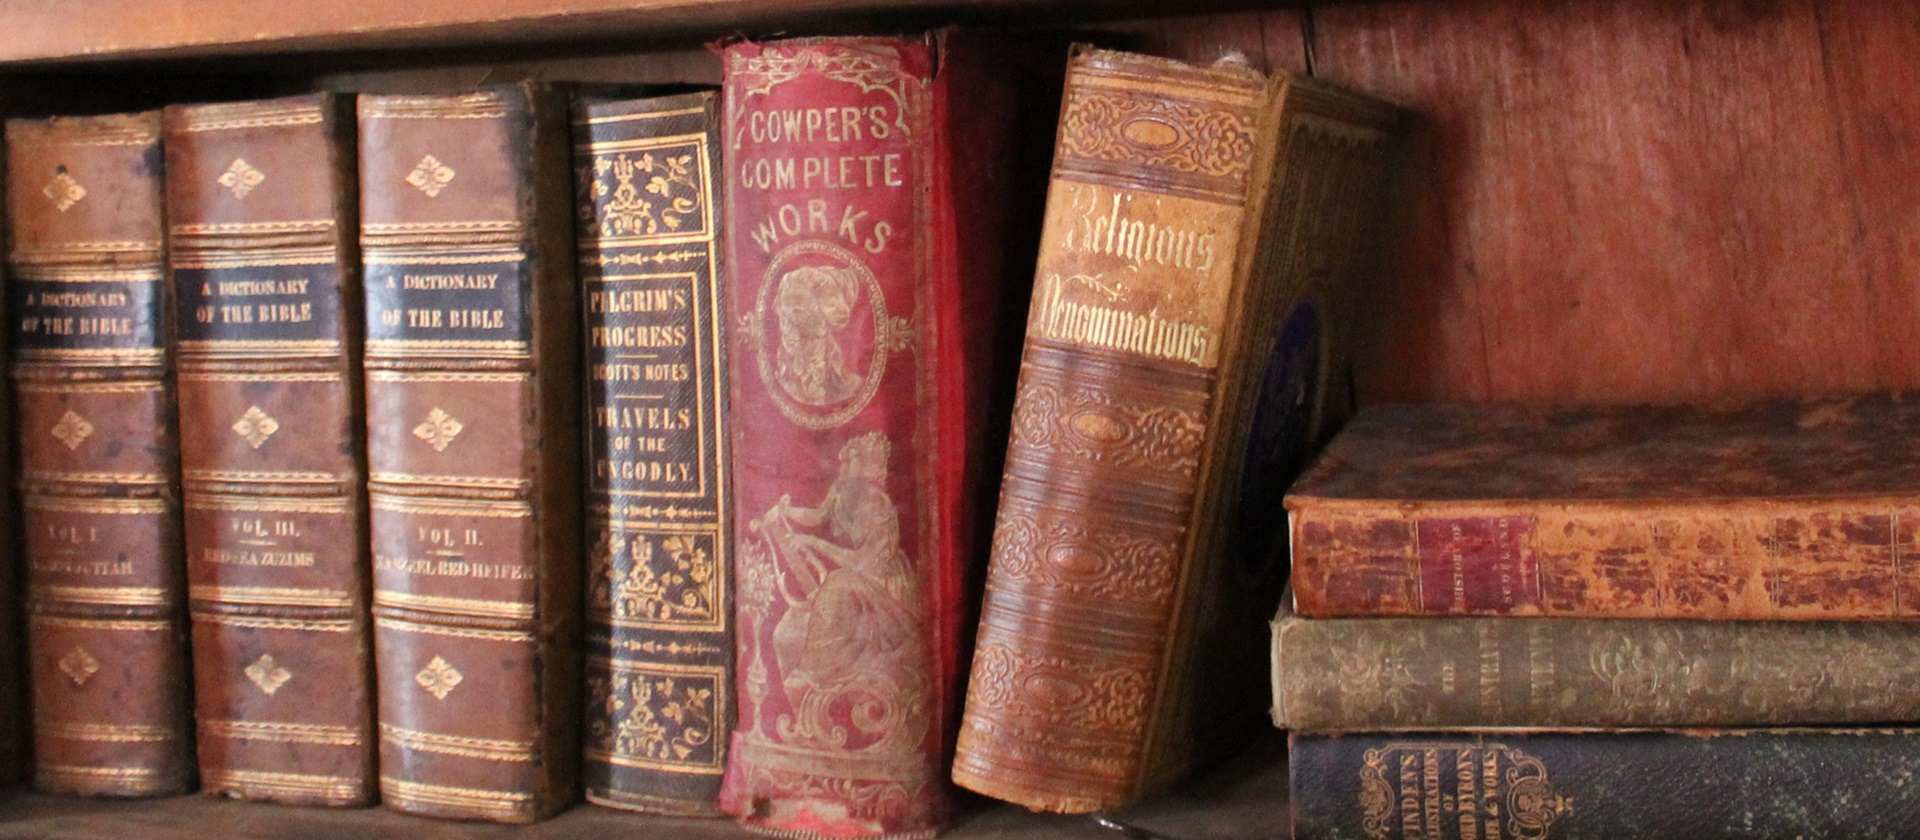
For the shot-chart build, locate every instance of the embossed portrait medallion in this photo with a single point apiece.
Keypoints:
(822, 333)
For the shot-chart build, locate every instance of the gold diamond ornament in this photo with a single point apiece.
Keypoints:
(438, 678)
(241, 178)
(72, 429)
(79, 665)
(439, 430)
(430, 176)
(64, 191)
(267, 674)
(255, 426)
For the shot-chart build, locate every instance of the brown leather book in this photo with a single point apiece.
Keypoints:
(92, 330)
(1207, 229)
(473, 440)
(15, 754)
(1800, 509)
(659, 635)
(262, 214)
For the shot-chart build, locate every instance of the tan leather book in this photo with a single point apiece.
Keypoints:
(92, 332)
(1207, 229)
(265, 261)
(473, 442)
(659, 634)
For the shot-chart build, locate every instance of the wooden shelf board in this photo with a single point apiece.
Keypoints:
(1243, 798)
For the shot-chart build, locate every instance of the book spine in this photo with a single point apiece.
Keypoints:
(857, 386)
(659, 630)
(1110, 421)
(262, 218)
(1707, 784)
(1791, 560)
(15, 726)
(1423, 673)
(473, 422)
(106, 596)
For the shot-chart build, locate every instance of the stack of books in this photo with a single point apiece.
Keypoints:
(1606, 622)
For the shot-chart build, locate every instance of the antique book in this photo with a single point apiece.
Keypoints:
(92, 332)
(872, 261)
(473, 449)
(1817, 784)
(1207, 230)
(1770, 510)
(1349, 674)
(659, 641)
(262, 216)
(15, 754)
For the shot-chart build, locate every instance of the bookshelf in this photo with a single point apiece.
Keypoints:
(1611, 201)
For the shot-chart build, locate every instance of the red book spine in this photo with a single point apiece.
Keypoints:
(859, 366)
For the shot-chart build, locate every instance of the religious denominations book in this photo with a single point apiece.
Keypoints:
(1798, 509)
(869, 258)
(262, 213)
(1208, 230)
(1349, 674)
(473, 447)
(92, 331)
(659, 640)
(1701, 784)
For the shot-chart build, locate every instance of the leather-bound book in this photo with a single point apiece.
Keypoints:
(473, 449)
(264, 252)
(868, 262)
(15, 754)
(1701, 784)
(659, 641)
(1207, 230)
(92, 334)
(1796, 509)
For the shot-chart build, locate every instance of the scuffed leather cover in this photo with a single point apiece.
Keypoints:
(473, 441)
(1205, 236)
(1425, 673)
(1701, 784)
(262, 209)
(659, 640)
(1772, 510)
(865, 195)
(92, 329)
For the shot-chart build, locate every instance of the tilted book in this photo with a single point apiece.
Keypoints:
(867, 263)
(262, 213)
(473, 442)
(659, 640)
(1207, 232)
(1800, 509)
(92, 338)
(1348, 674)
(1701, 784)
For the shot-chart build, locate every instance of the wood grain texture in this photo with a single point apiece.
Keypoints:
(1624, 201)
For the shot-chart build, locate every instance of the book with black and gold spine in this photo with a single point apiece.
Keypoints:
(261, 211)
(659, 642)
(1206, 232)
(473, 446)
(92, 332)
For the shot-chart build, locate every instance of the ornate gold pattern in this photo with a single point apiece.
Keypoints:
(79, 665)
(72, 429)
(625, 211)
(268, 674)
(1199, 138)
(255, 427)
(495, 803)
(1034, 547)
(281, 733)
(334, 788)
(439, 430)
(485, 749)
(1516, 798)
(671, 579)
(63, 190)
(438, 678)
(241, 178)
(1075, 696)
(430, 176)
(656, 719)
(1091, 425)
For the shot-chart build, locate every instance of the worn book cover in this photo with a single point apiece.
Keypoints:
(870, 259)
(92, 334)
(262, 213)
(473, 448)
(1795, 509)
(1702, 784)
(1208, 230)
(659, 639)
